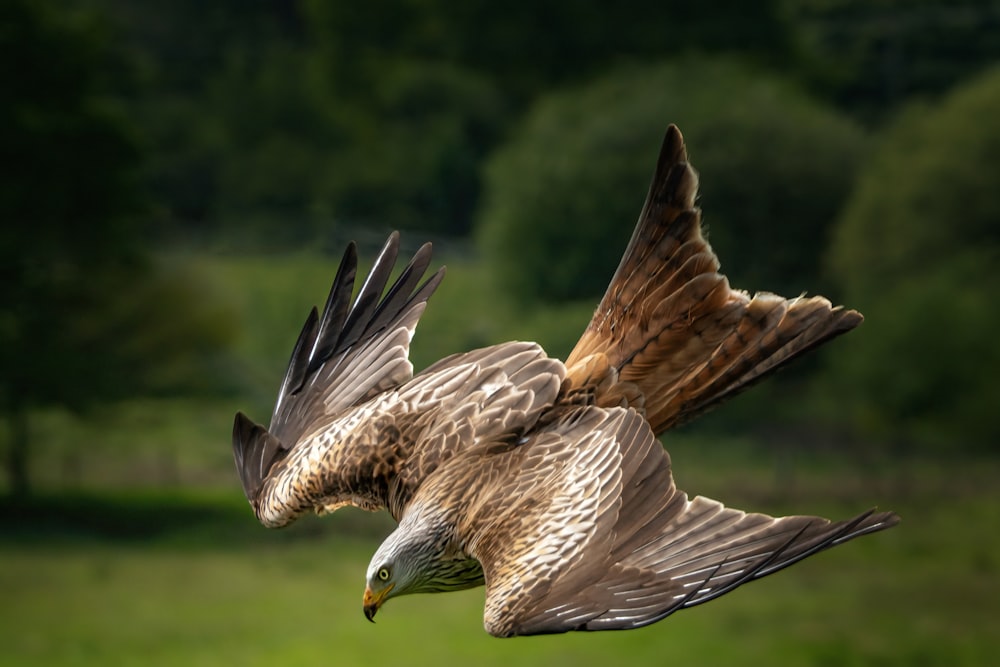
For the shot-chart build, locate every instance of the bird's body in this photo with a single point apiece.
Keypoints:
(542, 479)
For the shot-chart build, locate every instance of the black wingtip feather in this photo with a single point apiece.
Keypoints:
(786, 554)
(345, 324)
(366, 303)
(758, 569)
(298, 364)
(255, 452)
(401, 290)
(335, 311)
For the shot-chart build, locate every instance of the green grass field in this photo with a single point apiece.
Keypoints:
(192, 580)
(139, 548)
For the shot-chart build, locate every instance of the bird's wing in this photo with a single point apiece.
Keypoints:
(582, 528)
(670, 336)
(489, 394)
(381, 452)
(347, 355)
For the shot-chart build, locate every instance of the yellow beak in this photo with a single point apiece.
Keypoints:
(373, 601)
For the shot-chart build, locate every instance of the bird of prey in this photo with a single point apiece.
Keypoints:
(542, 479)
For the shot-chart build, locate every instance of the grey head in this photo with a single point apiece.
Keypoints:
(420, 556)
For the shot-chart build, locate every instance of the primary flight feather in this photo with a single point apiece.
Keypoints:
(539, 478)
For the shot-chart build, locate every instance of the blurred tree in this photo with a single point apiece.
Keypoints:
(278, 114)
(917, 249)
(408, 158)
(83, 317)
(774, 166)
(433, 84)
(525, 47)
(871, 56)
(281, 113)
(414, 158)
(276, 132)
(178, 51)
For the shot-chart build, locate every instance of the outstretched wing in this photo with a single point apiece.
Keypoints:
(351, 353)
(670, 336)
(582, 528)
(379, 454)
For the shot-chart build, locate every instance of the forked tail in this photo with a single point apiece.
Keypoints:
(670, 335)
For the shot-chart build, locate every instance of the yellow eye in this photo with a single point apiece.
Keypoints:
(383, 574)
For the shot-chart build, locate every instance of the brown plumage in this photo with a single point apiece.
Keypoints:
(669, 322)
(543, 480)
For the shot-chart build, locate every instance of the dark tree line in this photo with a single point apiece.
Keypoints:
(277, 116)
(84, 315)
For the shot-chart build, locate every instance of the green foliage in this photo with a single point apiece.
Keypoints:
(58, 126)
(66, 203)
(278, 115)
(414, 156)
(177, 52)
(274, 132)
(84, 317)
(563, 195)
(524, 47)
(433, 85)
(916, 250)
(870, 56)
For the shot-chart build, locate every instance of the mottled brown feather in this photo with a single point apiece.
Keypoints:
(378, 454)
(670, 325)
(581, 528)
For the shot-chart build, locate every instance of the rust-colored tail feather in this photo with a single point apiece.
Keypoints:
(670, 335)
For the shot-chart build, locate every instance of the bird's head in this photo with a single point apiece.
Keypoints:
(403, 564)
(420, 556)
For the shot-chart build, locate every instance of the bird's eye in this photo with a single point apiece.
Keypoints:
(383, 574)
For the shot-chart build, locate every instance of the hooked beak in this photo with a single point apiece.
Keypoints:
(373, 601)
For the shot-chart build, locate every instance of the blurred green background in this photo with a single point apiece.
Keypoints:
(180, 179)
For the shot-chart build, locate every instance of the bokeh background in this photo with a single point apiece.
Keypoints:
(179, 179)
